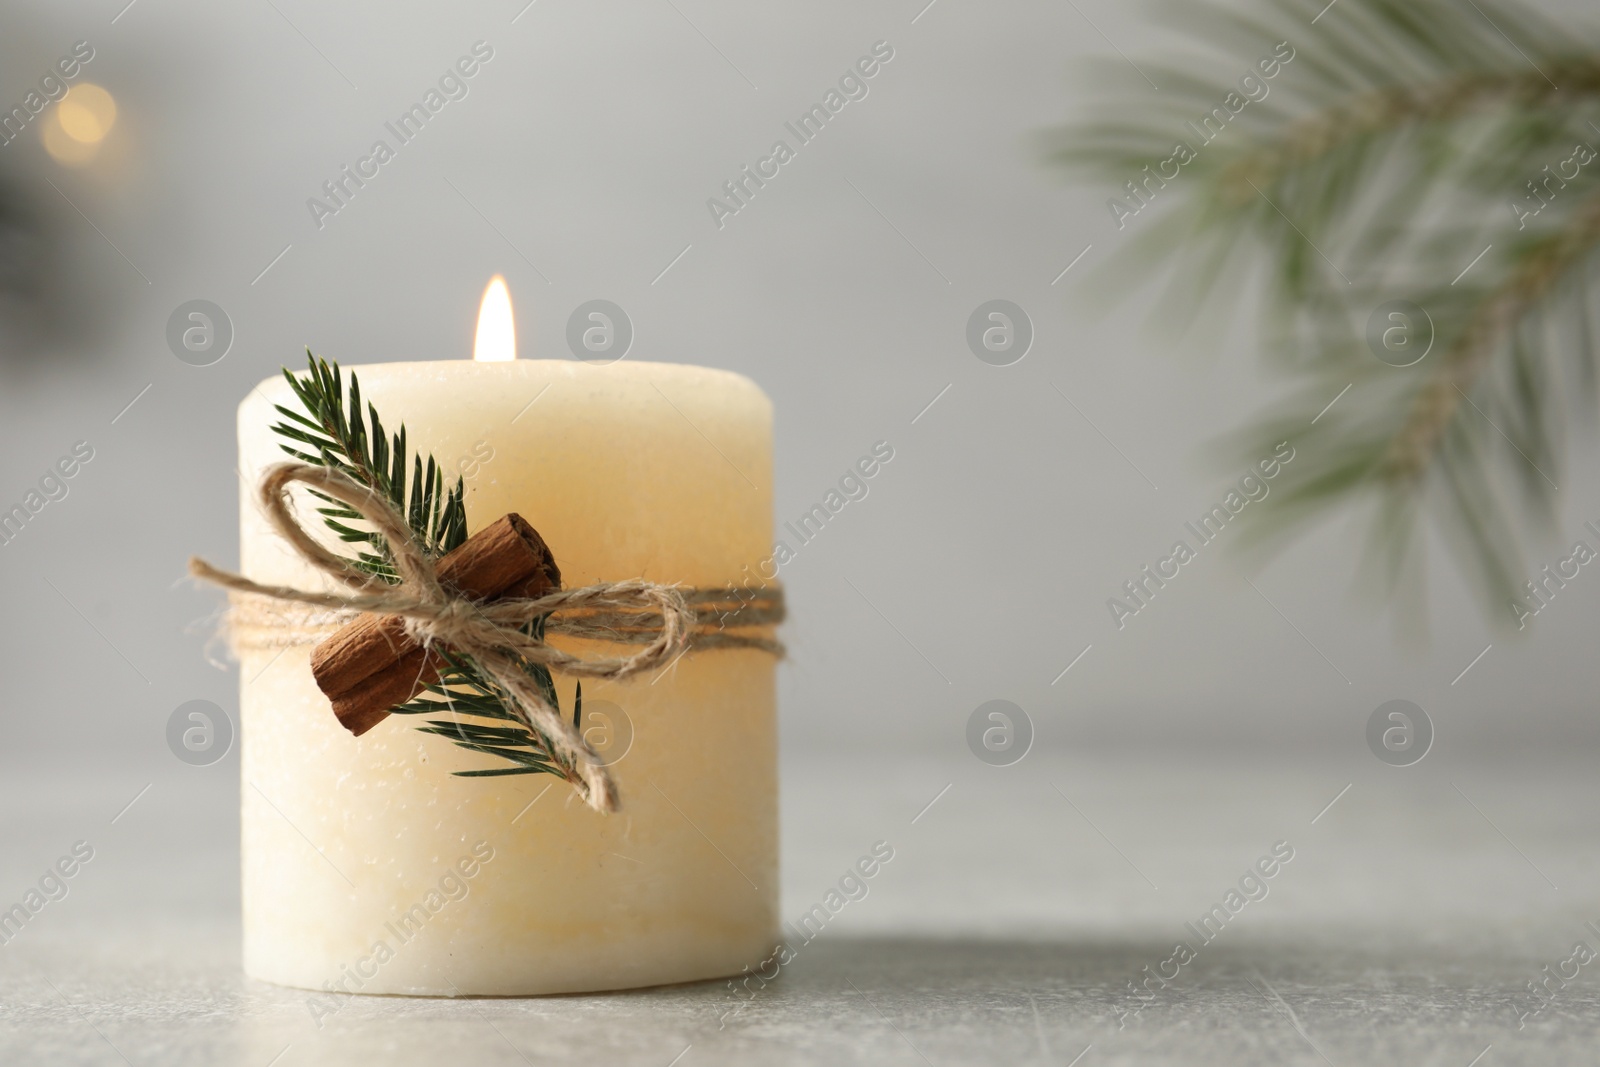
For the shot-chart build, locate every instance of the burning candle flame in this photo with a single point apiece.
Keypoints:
(496, 341)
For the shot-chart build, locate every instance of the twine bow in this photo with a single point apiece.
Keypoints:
(660, 619)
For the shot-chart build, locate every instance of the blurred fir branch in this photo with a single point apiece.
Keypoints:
(1403, 139)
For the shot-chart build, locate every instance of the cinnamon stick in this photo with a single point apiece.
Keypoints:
(371, 664)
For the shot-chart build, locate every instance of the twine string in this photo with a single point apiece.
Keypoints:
(657, 622)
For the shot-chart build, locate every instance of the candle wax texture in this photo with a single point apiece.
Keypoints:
(369, 868)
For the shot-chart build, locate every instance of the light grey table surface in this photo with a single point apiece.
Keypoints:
(1016, 910)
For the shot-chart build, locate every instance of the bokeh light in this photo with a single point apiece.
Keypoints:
(74, 129)
(87, 113)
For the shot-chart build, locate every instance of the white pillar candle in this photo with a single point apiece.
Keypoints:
(367, 865)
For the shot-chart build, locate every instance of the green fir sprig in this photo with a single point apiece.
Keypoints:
(331, 431)
(438, 519)
(1433, 152)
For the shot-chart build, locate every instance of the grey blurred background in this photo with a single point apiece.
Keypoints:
(978, 568)
(579, 165)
